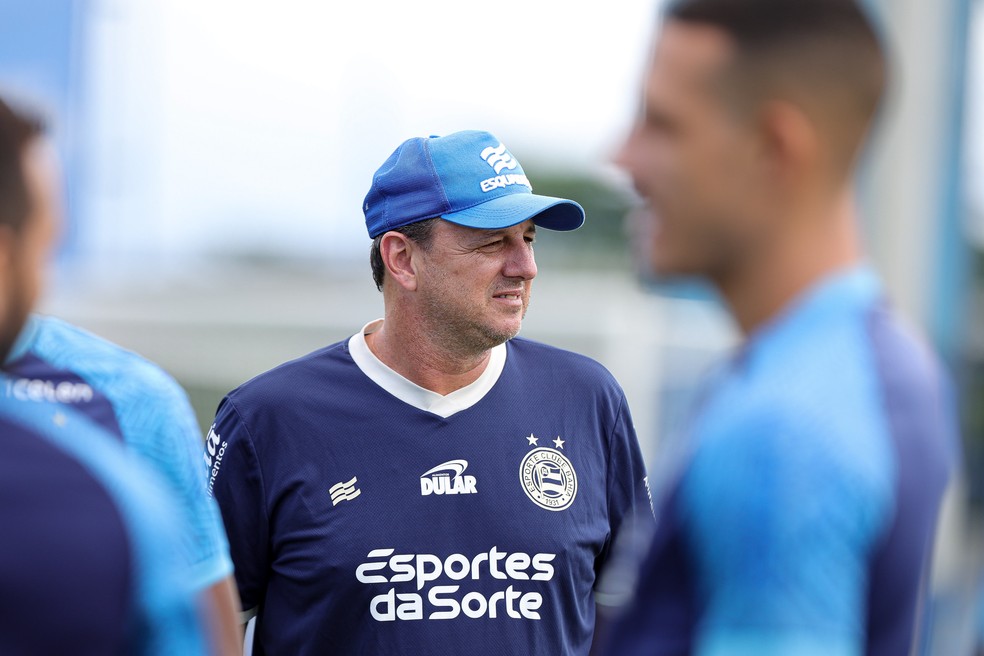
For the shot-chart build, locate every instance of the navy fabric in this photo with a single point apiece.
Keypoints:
(323, 481)
(802, 517)
(65, 557)
(91, 560)
(921, 427)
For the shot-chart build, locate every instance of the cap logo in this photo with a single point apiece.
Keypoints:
(499, 159)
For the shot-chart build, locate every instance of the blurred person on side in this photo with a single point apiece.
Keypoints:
(434, 484)
(91, 560)
(146, 410)
(801, 515)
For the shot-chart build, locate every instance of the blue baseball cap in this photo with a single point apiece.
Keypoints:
(468, 178)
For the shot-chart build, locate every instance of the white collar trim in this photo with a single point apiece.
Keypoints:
(415, 395)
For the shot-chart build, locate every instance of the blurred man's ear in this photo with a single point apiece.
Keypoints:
(790, 143)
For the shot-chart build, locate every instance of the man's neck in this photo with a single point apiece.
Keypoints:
(410, 352)
(814, 248)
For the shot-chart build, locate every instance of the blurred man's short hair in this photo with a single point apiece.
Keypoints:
(826, 53)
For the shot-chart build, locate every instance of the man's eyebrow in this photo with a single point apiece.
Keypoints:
(487, 235)
(491, 234)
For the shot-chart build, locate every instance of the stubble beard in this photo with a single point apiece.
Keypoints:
(466, 334)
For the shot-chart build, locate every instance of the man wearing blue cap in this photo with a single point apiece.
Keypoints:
(433, 484)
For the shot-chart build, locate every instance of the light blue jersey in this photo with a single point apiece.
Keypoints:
(803, 517)
(91, 560)
(56, 363)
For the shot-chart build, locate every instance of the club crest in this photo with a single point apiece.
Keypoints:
(548, 478)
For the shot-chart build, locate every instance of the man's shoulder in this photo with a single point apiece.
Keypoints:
(843, 367)
(554, 360)
(99, 361)
(814, 399)
(307, 374)
(902, 356)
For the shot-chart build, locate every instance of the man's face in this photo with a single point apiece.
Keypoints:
(691, 157)
(474, 285)
(27, 250)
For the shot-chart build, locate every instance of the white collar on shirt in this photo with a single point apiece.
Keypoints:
(415, 395)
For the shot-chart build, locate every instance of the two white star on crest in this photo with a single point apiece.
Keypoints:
(559, 443)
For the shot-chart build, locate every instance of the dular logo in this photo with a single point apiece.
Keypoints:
(447, 478)
(499, 158)
(548, 478)
(344, 491)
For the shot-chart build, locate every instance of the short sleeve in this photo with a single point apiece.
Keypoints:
(163, 430)
(781, 518)
(629, 498)
(236, 483)
(630, 512)
(153, 416)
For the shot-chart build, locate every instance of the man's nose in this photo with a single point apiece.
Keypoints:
(623, 156)
(520, 262)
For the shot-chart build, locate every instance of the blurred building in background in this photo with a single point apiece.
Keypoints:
(217, 153)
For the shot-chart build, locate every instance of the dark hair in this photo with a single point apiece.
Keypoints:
(420, 232)
(17, 130)
(828, 47)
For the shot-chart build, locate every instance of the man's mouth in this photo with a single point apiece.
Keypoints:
(509, 296)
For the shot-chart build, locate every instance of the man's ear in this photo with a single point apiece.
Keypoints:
(398, 252)
(790, 142)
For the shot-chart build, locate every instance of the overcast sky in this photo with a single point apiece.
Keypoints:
(246, 125)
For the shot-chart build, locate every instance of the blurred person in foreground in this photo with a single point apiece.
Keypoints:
(91, 559)
(802, 514)
(433, 484)
(146, 410)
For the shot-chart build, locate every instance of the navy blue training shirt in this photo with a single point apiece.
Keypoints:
(802, 518)
(367, 515)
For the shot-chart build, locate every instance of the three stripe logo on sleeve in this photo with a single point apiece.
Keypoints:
(344, 491)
